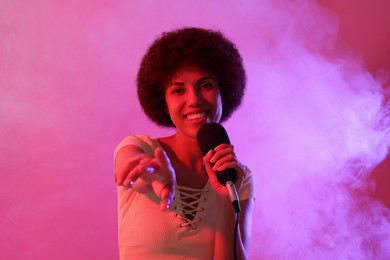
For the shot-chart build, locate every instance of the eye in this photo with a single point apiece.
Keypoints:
(206, 85)
(177, 91)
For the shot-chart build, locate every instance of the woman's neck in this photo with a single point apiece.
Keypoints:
(184, 149)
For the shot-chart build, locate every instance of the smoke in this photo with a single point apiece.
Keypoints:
(318, 123)
(313, 124)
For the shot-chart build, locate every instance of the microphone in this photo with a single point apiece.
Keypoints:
(210, 136)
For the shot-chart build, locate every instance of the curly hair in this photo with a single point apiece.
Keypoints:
(202, 48)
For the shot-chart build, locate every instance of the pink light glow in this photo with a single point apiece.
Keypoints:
(312, 126)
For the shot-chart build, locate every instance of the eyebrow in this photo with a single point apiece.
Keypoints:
(179, 83)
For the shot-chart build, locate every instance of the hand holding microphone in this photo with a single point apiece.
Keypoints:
(213, 136)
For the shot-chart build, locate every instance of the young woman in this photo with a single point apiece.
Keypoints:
(170, 203)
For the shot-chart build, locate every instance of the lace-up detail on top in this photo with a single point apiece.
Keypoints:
(188, 203)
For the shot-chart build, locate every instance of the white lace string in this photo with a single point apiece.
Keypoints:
(188, 203)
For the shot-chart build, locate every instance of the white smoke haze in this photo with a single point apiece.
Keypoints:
(319, 124)
(313, 124)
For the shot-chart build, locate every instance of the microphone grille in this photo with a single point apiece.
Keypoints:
(211, 135)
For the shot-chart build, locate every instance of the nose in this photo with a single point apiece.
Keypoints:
(195, 97)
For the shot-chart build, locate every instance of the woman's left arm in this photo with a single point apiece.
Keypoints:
(224, 240)
(245, 221)
(222, 158)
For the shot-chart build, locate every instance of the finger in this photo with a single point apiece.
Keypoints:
(165, 191)
(223, 146)
(124, 171)
(150, 165)
(229, 158)
(167, 195)
(140, 170)
(130, 179)
(225, 166)
(208, 166)
(128, 166)
(162, 158)
(207, 157)
(222, 152)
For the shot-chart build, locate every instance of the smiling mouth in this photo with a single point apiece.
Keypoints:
(196, 116)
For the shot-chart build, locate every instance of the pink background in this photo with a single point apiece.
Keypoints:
(313, 119)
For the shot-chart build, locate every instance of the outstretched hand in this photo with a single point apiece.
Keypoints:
(145, 173)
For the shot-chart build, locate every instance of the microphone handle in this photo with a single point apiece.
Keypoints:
(231, 188)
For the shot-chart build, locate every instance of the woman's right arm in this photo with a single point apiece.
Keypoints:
(126, 160)
(144, 173)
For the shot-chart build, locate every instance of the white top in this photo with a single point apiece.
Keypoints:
(146, 232)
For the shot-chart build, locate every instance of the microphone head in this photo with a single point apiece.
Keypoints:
(210, 136)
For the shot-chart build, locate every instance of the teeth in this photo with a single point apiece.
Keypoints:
(195, 116)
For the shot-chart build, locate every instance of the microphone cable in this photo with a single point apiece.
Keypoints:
(236, 236)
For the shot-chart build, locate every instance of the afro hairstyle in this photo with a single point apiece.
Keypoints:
(202, 48)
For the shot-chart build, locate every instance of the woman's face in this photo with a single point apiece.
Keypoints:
(193, 98)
